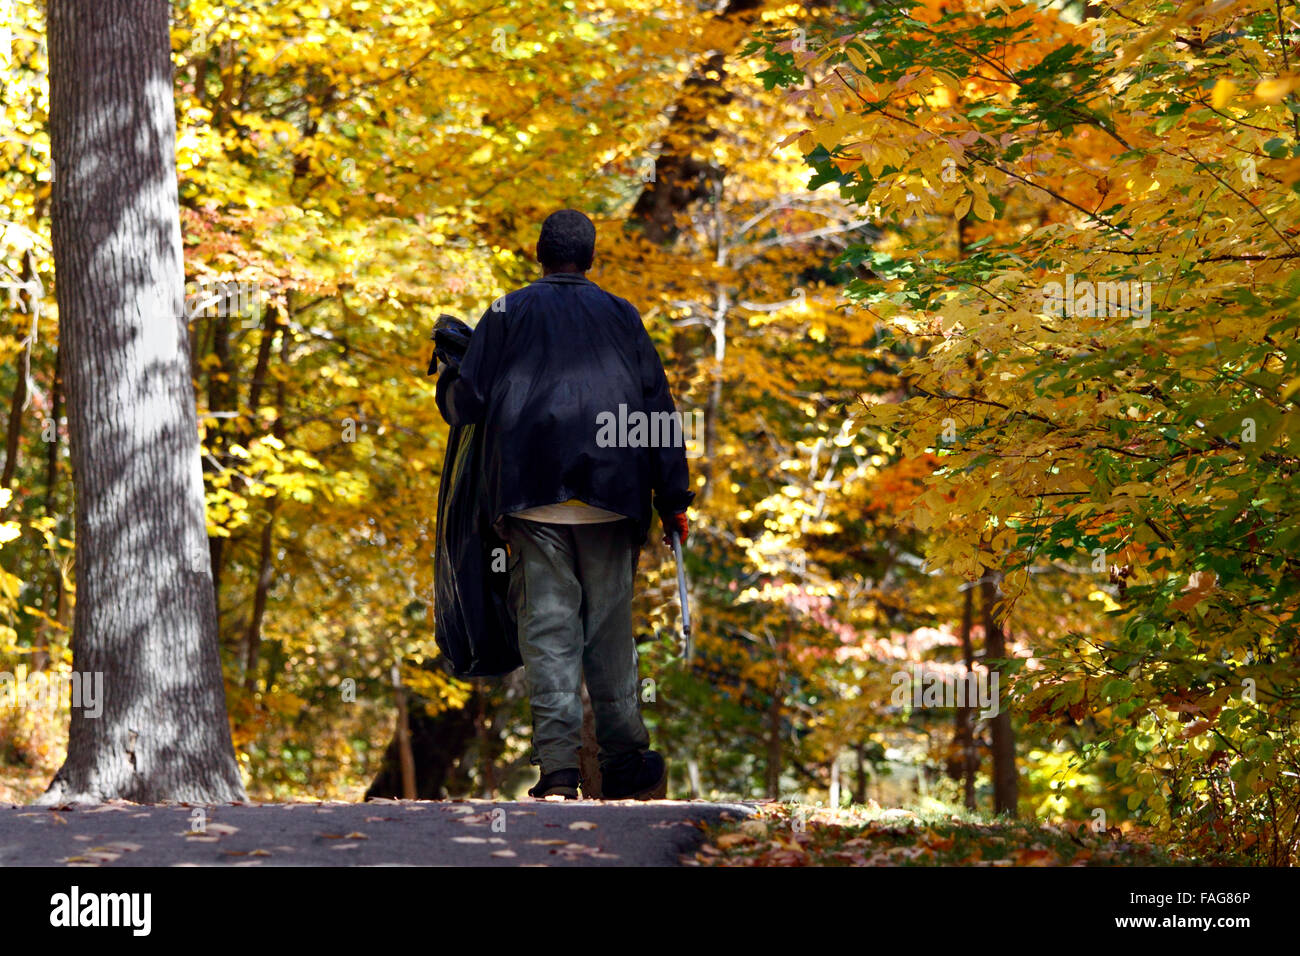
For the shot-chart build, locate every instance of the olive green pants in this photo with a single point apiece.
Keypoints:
(571, 592)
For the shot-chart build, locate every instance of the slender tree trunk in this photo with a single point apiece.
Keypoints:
(589, 755)
(429, 745)
(30, 305)
(15, 426)
(266, 551)
(220, 388)
(774, 746)
(145, 618)
(968, 756)
(1005, 784)
(405, 757)
(775, 757)
(860, 780)
(718, 329)
(265, 575)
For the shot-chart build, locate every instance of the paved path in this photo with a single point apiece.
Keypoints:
(377, 833)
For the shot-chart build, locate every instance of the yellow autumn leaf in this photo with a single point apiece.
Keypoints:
(1274, 90)
(1222, 93)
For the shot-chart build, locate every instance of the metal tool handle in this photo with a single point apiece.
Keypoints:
(681, 591)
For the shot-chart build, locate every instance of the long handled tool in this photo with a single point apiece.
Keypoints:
(682, 596)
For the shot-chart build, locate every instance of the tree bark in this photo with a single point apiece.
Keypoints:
(266, 547)
(1005, 785)
(860, 779)
(486, 751)
(589, 755)
(775, 755)
(434, 744)
(13, 433)
(405, 757)
(262, 589)
(967, 756)
(145, 615)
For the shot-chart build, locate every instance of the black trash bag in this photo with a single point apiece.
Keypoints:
(473, 625)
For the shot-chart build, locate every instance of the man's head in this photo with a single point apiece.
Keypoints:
(567, 242)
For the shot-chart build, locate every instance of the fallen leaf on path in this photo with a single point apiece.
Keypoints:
(936, 841)
(1035, 857)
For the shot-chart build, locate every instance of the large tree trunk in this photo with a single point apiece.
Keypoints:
(145, 615)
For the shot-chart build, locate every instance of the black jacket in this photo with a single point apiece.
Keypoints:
(546, 372)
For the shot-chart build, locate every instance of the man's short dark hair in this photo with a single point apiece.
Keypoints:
(568, 238)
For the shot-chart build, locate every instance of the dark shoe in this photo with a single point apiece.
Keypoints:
(557, 783)
(633, 776)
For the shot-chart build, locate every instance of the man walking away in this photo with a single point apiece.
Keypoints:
(547, 364)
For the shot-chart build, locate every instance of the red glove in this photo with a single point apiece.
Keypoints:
(676, 523)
